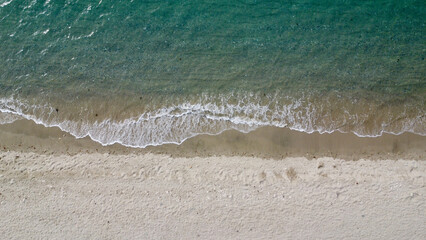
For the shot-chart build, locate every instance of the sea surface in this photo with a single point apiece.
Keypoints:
(143, 73)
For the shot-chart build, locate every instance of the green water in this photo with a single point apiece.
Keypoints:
(150, 72)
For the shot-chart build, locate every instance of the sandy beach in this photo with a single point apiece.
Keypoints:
(84, 191)
(103, 196)
(212, 119)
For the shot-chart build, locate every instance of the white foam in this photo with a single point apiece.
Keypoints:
(176, 123)
(6, 3)
(6, 118)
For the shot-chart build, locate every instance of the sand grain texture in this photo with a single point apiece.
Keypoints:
(103, 196)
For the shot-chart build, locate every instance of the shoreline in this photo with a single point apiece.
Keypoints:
(264, 142)
(140, 122)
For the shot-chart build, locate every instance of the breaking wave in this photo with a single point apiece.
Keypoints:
(174, 123)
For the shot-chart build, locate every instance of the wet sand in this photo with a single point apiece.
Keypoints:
(265, 142)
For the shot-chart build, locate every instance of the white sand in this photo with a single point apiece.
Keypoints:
(102, 196)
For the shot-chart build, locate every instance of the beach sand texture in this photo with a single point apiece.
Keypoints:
(151, 196)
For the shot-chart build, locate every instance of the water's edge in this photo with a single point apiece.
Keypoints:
(176, 123)
(266, 142)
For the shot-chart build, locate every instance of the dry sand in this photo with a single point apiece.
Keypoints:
(151, 196)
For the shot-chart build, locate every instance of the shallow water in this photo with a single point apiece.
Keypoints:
(146, 73)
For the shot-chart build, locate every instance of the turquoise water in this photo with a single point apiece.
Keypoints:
(145, 73)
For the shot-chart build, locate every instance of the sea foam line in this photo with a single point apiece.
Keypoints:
(6, 3)
(177, 123)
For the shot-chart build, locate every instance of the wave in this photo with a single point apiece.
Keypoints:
(174, 123)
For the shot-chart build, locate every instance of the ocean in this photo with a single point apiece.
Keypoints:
(147, 73)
